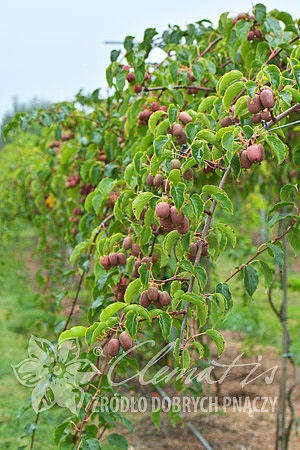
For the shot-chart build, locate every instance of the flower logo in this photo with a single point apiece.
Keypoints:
(55, 373)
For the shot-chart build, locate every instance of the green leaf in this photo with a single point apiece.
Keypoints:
(268, 273)
(287, 191)
(91, 444)
(227, 140)
(250, 279)
(118, 441)
(155, 416)
(186, 359)
(175, 176)
(79, 249)
(219, 196)
(296, 72)
(165, 323)
(218, 340)
(242, 29)
(273, 74)
(201, 276)
(177, 193)
(296, 156)
(173, 68)
(278, 254)
(209, 137)
(111, 310)
(198, 71)
(294, 239)
(131, 324)
(159, 144)
(227, 80)
(154, 118)
(140, 202)
(232, 92)
(197, 204)
(59, 430)
(241, 107)
(228, 231)
(144, 274)
(260, 13)
(169, 241)
(132, 289)
(138, 309)
(72, 333)
(279, 149)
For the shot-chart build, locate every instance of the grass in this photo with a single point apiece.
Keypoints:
(18, 318)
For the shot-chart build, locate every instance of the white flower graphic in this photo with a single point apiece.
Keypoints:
(55, 374)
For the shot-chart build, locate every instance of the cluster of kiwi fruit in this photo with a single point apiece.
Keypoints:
(113, 259)
(125, 341)
(145, 115)
(254, 154)
(120, 288)
(194, 249)
(171, 219)
(160, 299)
(131, 79)
(260, 105)
(136, 251)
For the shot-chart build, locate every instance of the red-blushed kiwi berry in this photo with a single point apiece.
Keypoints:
(166, 223)
(182, 139)
(113, 347)
(127, 243)
(135, 249)
(147, 260)
(137, 89)
(175, 164)
(258, 33)
(104, 261)
(125, 67)
(144, 301)
(113, 259)
(245, 163)
(184, 228)
(162, 210)
(191, 76)
(193, 251)
(120, 296)
(251, 35)
(267, 98)
(164, 298)
(149, 180)
(177, 217)
(166, 187)
(265, 115)
(163, 108)
(75, 220)
(226, 122)
(256, 153)
(112, 200)
(154, 106)
(185, 117)
(157, 305)
(152, 293)
(177, 129)
(121, 259)
(158, 179)
(256, 118)
(142, 216)
(155, 257)
(204, 251)
(126, 341)
(74, 231)
(255, 105)
(123, 282)
(188, 174)
(136, 267)
(77, 211)
(130, 77)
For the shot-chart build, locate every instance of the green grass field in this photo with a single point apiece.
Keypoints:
(20, 315)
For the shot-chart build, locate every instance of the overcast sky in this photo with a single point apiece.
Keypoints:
(51, 49)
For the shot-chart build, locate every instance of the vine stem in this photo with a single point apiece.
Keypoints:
(83, 273)
(178, 86)
(209, 47)
(198, 257)
(91, 403)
